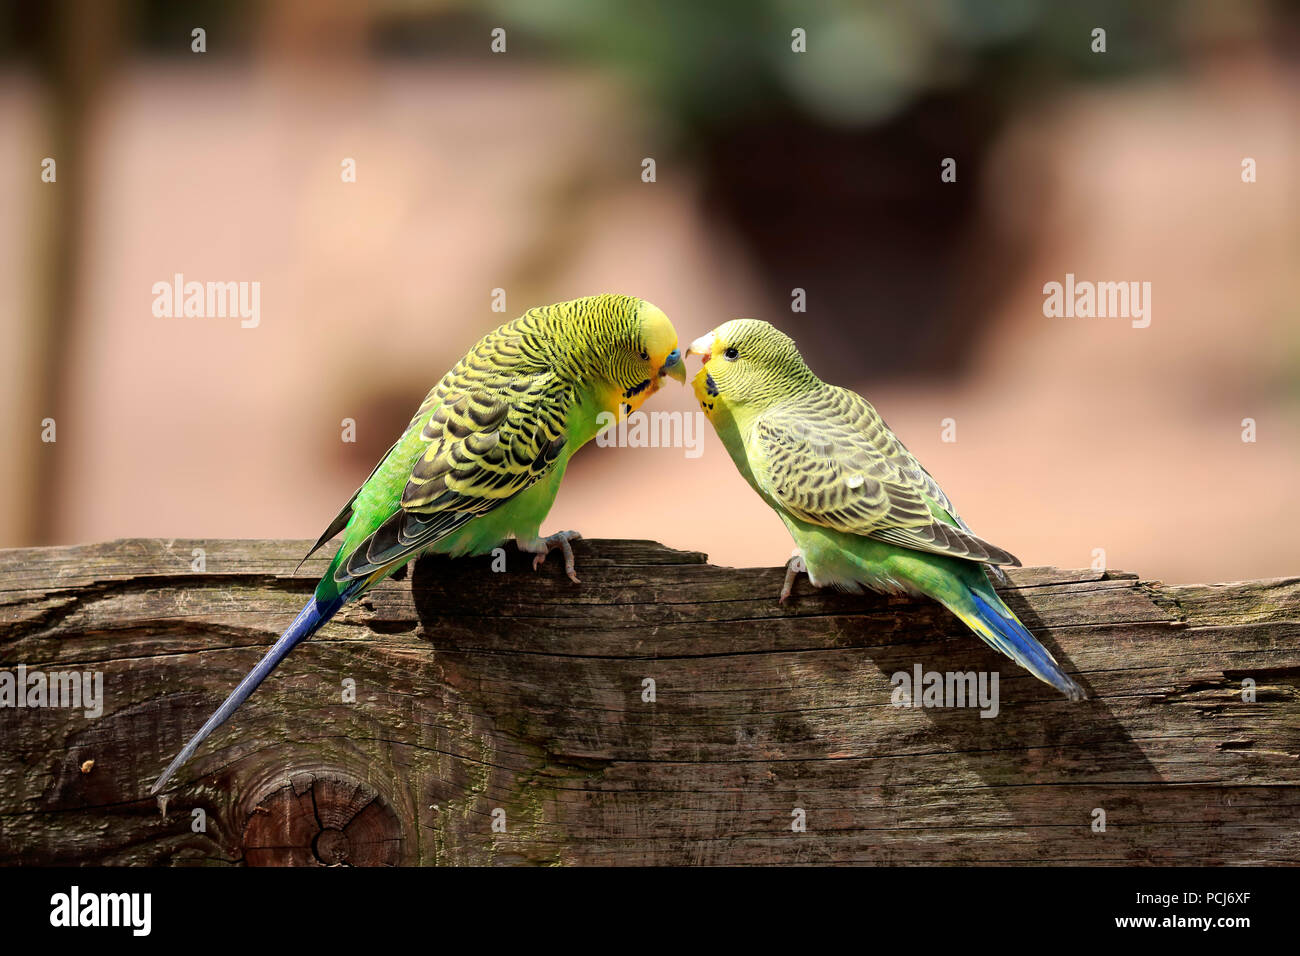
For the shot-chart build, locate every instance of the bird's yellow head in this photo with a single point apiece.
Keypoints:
(633, 346)
(659, 351)
(748, 364)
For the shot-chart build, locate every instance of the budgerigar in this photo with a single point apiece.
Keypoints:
(860, 507)
(482, 459)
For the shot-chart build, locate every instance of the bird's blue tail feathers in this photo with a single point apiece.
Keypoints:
(309, 620)
(998, 625)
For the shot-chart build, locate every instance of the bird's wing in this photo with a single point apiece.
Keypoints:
(489, 436)
(828, 458)
(345, 513)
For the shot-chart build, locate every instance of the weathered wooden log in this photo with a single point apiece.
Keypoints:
(509, 717)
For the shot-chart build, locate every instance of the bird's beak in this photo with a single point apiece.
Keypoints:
(674, 366)
(703, 346)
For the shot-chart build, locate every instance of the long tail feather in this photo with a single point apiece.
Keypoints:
(309, 620)
(987, 615)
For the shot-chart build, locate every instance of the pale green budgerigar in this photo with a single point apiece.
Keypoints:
(482, 459)
(861, 509)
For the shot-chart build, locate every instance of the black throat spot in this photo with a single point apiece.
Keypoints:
(637, 389)
(710, 385)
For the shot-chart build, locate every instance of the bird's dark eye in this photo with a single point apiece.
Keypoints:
(731, 354)
(645, 356)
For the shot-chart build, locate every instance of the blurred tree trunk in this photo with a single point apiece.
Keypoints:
(79, 41)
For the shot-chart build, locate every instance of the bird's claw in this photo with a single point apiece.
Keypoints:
(559, 540)
(793, 568)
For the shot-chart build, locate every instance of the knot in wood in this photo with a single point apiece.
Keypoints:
(323, 818)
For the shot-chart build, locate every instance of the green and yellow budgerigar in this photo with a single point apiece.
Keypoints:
(861, 509)
(482, 459)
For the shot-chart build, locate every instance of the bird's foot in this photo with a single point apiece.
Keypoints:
(544, 546)
(793, 568)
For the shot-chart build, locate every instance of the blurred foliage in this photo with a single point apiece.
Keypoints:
(710, 64)
(715, 63)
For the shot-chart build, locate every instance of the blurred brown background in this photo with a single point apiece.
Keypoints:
(775, 170)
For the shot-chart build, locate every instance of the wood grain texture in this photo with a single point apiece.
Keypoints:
(517, 696)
